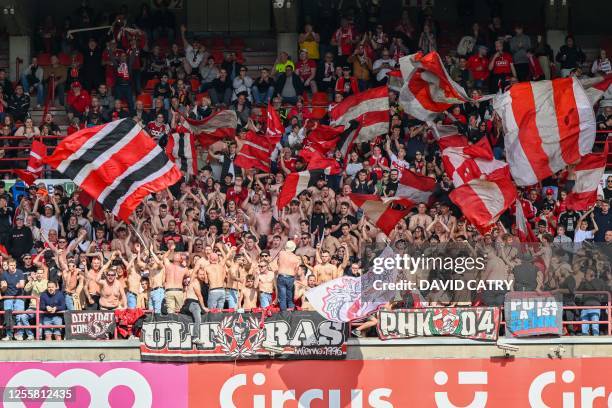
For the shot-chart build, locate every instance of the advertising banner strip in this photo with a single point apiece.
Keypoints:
(242, 336)
(533, 314)
(89, 324)
(480, 323)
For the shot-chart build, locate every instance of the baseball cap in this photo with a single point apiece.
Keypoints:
(290, 246)
(550, 191)
(75, 84)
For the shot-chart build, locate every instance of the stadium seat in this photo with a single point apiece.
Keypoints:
(218, 43)
(218, 56)
(64, 59)
(201, 95)
(236, 44)
(146, 99)
(44, 59)
(150, 85)
(240, 57)
(195, 84)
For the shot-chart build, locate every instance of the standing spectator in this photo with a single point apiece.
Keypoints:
(398, 49)
(52, 301)
(164, 23)
(519, 44)
(309, 41)
(93, 74)
(461, 74)
(78, 99)
(427, 40)
(55, 75)
(536, 73)
(242, 107)
(344, 39)
(5, 83)
(603, 220)
(601, 66)
(478, 65)
(135, 62)
(19, 104)
(242, 84)
(544, 54)
(288, 264)
(208, 73)
(174, 60)
(20, 240)
(123, 76)
(74, 72)
(195, 53)
(347, 84)
(326, 73)
(383, 66)
(221, 91)
(110, 60)
(591, 284)
(501, 67)
(306, 69)
(289, 86)
(569, 56)
(263, 88)
(12, 283)
(156, 64)
(231, 65)
(32, 79)
(583, 233)
(362, 66)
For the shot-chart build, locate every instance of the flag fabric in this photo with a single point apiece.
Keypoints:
(588, 173)
(323, 138)
(547, 124)
(347, 139)
(316, 161)
(274, 126)
(428, 89)
(523, 228)
(597, 87)
(483, 201)
(463, 164)
(218, 126)
(383, 211)
(370, 107)
(295, 183)
(395, 80)
(38, 152)
(416, 187)
(448, 136)
(182, 151)
(104, 162)
(254, 153)
(350, 298)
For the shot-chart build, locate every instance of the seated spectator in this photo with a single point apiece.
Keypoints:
(55, 75)
(362, 66)
(347, 84)
(242, 107)
(195, 53)
(201, 109)
(601, 65)
(28, 130)
(461, 74)
(18, 104)
(78, 99)
(52, 301)
(163, 90)
(221, 91)
(242, 84)
(208, 73)
(54, 129)
(289, 86)
(231, 65)
(106, 100)
(32, 79)
(5, 83)
(281, 64)
(536, 73)
(174, 60)
(326, 73)
(478, 65)
(263, 88)
(306, 69)
(309, 41)
(139, 112)
(569, 56)
(159, 129)
(383, 66)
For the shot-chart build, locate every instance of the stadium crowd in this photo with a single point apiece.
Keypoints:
(218, 240)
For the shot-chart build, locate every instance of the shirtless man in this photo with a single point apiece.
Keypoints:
(265, 282)
(248, 294)
(291, 218)
(194, 304)
(72, 280)
(173, 282)
(324, 270)
(276, 246)
(92, 289)
(153, 269)
(300, 292)
(160, 222)
(288, 264)
(420, 219)
(112, 293)
(262, 220)
(348, 240)
(305, 247)
(216, 274)
(250, 247)
(237, 272)
(133, 280)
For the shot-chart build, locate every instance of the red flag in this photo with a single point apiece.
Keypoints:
(38, 152)
(483, 201)
(588, 172)
(523, 228)
(384, 212)
(218, 126)
(463, 164)
(294, 184)
(104, 162)
(548, 125)
(182, 151)
(416, 187)
(254, 153)
(274, 126)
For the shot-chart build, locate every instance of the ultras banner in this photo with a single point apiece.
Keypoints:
(244, 336)
(472, 322)
(533, 314)
(89, 324)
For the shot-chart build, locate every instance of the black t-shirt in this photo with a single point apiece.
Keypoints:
(339, 219)
(6, 215)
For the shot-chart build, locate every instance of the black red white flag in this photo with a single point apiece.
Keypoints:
(182, 151)
(118, 164)
(218, 126)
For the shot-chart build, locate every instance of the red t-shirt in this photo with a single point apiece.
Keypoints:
(344, 38)
(304, 69)
(479, 67)
(501, 65)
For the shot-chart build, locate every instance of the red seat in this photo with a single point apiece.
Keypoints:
(64, 59)
(171, 81)
(163, 42)
(239, 57)
(79, 57)
(218, 56)
(195, 84)
(236, 44)
(146, 99)
(201, 95)
(44, 59)
(218, 43)
(150, 85)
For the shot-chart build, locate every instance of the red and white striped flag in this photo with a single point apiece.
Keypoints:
(323, 138)
(384, 212)
(597, 87)
(38, 152)
(448, 136)
(416, 187)
(218, 126)
(463, 164)
(315, 161)
(182, 151)
(371, 108)
(483, 201)
(395, 80)
(547, 124)
(523, 228)
(117, 164)
(428, 89)
(295, 183)
(347, 139)
(588, 173)
(274, 126)
(254, 153)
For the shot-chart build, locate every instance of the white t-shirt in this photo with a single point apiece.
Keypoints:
(383, 72)
(47, 224)
(580, 235)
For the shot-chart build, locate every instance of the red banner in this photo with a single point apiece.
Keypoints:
(440, 383)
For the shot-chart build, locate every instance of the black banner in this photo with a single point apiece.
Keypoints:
(89, 324)
(297, 335)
